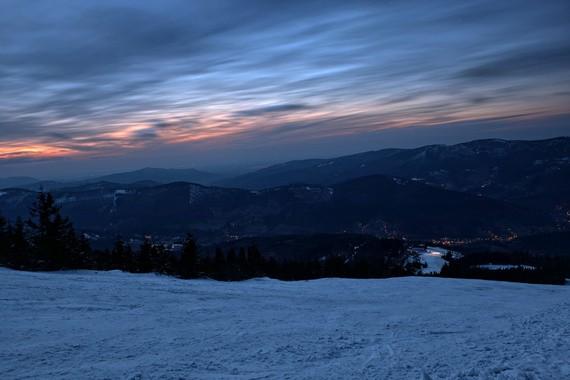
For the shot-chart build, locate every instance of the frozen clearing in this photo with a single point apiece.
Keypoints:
(113, 325)
(434, 262)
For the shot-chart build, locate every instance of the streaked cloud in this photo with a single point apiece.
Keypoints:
(88, 79)
(277, 108)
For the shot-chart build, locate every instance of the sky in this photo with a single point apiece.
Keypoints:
(91, 87)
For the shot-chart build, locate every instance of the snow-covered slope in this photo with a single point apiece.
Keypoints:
(112, 325)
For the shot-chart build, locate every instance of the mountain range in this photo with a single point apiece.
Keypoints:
(377, 205)
(142, 177)
(529, 173)
(478, 189)
(19, 182)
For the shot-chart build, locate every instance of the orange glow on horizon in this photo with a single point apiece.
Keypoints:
(328, 123)
(33, 151)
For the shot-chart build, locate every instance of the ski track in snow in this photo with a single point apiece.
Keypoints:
(113, 325)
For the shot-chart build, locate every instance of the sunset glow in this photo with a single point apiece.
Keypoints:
(198, 82)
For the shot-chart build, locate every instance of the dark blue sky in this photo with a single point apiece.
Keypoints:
(99, 86)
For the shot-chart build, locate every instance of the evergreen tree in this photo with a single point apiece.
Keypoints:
(122, 256)
(18, 250)
(189, 258)
(145, 256)
(255, 260)
(68, 242)
(231, 271)
(100, 260)
(219, 261)
(53, 237)
(84, 253)
(231, 257)
(243, 266)
(4, 241)
(164, 260)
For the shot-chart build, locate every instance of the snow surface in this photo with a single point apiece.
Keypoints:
(113, 325)
(432, 257)
(434, 262)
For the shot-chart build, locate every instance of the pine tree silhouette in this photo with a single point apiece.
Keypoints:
(189, 258)
(4, 241)
(122, 256)
(145, 257)
(219, 263)
(52, 235)
(19, 256)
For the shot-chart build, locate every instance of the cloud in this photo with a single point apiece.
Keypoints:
(278, 108)
(111, 76)
(528, 61)
(145, 135)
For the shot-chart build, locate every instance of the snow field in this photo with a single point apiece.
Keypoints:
(113, 325)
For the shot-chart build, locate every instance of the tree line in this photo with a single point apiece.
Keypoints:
(48, 241)
(519, 267)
